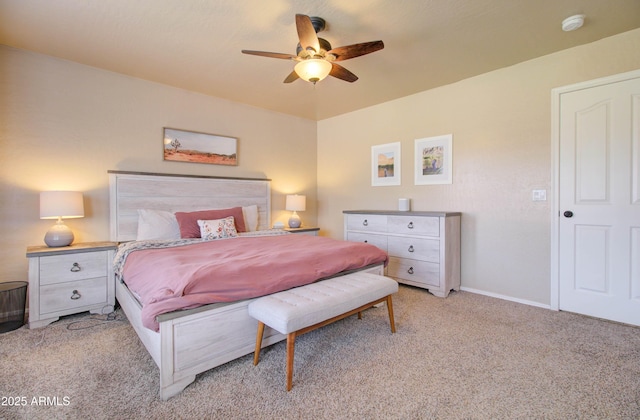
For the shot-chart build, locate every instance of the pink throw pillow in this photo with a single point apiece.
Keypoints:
(188, 221)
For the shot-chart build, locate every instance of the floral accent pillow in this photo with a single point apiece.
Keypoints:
(217, 229)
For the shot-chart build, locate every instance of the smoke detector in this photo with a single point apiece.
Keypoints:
(572, 23)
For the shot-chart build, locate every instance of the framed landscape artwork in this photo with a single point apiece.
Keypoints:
(434, 160)
(385, 164)
(190, 146)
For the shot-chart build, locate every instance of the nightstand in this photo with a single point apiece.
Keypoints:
(313, 231)
(70, 279)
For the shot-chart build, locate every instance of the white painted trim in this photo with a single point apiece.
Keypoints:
(554, 275)
(504, 297)
(554, 297)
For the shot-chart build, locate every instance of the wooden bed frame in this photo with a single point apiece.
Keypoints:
(187, 343)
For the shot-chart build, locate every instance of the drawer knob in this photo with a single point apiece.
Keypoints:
(410, 270)
(410, 248)
(365, 223)
(366, 242)
(75, 295)
(75, 267)
(410, 225)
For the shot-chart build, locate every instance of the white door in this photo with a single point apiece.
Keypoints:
(599, 201)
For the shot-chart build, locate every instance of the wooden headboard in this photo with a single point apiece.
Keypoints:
(130, 191)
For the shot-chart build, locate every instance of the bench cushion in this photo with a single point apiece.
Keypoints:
(308, 305)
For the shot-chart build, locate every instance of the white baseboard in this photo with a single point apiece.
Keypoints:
(504, 297)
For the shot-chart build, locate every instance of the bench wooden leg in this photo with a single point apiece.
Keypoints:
(291, 343)
(256, 354)
(391, 320)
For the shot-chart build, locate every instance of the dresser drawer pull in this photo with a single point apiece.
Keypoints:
(75, 268)
(410, 270)
(365, 223)
(410, 225)
(75, 295)
(410, 248)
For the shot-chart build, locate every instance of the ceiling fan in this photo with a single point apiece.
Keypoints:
(315, 56)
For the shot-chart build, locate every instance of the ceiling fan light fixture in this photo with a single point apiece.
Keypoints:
(313, 70)
(316, 57)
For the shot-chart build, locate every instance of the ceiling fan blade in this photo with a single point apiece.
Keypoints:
(307, 33)
(292, 77)
(356, 50)
(270, 54)
(341, 73)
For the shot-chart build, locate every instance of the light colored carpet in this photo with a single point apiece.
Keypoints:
(464, 357)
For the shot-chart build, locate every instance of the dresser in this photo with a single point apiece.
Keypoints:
(423, 247)
(70, 279)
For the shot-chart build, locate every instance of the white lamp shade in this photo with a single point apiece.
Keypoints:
(61, 204)
(296, 203)
(313, 70)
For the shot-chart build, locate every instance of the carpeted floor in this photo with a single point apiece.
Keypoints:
(464, 357)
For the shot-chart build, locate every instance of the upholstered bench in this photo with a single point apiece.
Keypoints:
(303, 309)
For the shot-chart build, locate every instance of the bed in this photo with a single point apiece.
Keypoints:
(190, 341)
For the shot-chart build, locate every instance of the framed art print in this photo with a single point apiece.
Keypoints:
(190, 146)
(385, 164)
(434, 160)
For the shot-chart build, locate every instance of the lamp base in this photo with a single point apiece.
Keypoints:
(58, 235)
(294, 221)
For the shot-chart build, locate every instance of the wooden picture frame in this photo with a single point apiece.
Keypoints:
(434, 160)
(386, 164)
(195, 147)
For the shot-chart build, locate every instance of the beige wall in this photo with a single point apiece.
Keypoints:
(501, 126)
(64, 125)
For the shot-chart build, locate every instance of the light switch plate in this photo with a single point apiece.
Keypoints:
(539, 195)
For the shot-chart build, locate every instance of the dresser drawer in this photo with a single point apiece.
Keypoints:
(414, 225)
(71, 267)
(415, 271)
(378, 240)
(72, 295)
(367, 222)
(415, 248)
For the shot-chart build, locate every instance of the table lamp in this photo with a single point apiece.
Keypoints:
(60, 205)
(295, 203)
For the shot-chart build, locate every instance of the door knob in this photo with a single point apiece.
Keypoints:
(568, 213)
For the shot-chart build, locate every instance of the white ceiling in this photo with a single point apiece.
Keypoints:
(195, 44)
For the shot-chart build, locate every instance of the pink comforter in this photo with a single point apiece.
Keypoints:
(228, 270)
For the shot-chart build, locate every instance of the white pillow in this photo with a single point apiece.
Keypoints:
(157, 225)
(250, 214)
(217, 229)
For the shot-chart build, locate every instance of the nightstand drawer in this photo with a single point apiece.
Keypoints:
(414, 248)
(72, 267)
(415, 271)
(72, 295)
